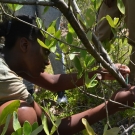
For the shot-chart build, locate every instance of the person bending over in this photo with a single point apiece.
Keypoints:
(23, 56)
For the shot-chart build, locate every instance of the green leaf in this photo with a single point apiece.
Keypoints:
(40, 25)
(64, 47)
(52, 43)
(89, 35)
(16, 123)
(6, 125)
(90, 18)
(89, 60)
(88, 127)
(37, 130)
(121, 6)
(55, 126)
(42, 44)
(105, 129)
(72, 56)
(85, 132)
(78, 64)
(52, 47)
(93, 0)
(34, 126)
(59, 56)
(116, 20)
(69, 38)
(70, 29)
(98, 4)
(110, 21)
(112, 131)
(46, 9)
(47, 42)
(82, 20)
(90, 83)
(58, 34)
(18, 132)
(14, 7)
(27, 128)
(44, 123)
(51, 30)
(53, 24)
(83, 53)
(9, 110)
(39, 22)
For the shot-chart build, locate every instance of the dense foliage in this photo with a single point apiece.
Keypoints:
(77, 59)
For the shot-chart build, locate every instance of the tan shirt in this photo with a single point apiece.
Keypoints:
(11, 86)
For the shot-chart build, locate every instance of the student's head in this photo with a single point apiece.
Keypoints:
(21, 42)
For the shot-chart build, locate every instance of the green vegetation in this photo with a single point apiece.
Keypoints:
(77, 59)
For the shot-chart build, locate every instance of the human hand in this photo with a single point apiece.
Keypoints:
(124, 70)
(124, 96)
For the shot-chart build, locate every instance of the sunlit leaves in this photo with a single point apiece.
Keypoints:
(90, 83)
(40, 25)
(42, 44)
(55, 126)
(37, 130)
(16, 123)
(27, 128)
(50, 34)
(69, 38)
(19, 131)
(51, 30)
(44, 123)
(72, 56)
(15, 7)
(6, 124)
(9, 110)
(112, 131)
(55, 121)
(87, 59)
(70, 29)
(64, 48)
(88, 127)
(116, 20)
(121, 6)
(112, 23)
(90, 18)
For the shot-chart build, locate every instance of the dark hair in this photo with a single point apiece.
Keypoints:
(13, 29)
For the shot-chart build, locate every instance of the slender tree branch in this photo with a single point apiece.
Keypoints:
(62, 6)
(82, 35)
(92, 95)
(29, 2)
(128, 129)
(40, 29)
(107, 115)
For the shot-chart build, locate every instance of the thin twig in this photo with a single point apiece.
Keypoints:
(128, 129)
(107, 100)
(62, 6)
(30, 2)
(107, 115)
(39, 29)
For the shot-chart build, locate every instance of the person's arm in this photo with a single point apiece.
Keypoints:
(61, 82)
(73, 124)
(57, 82)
